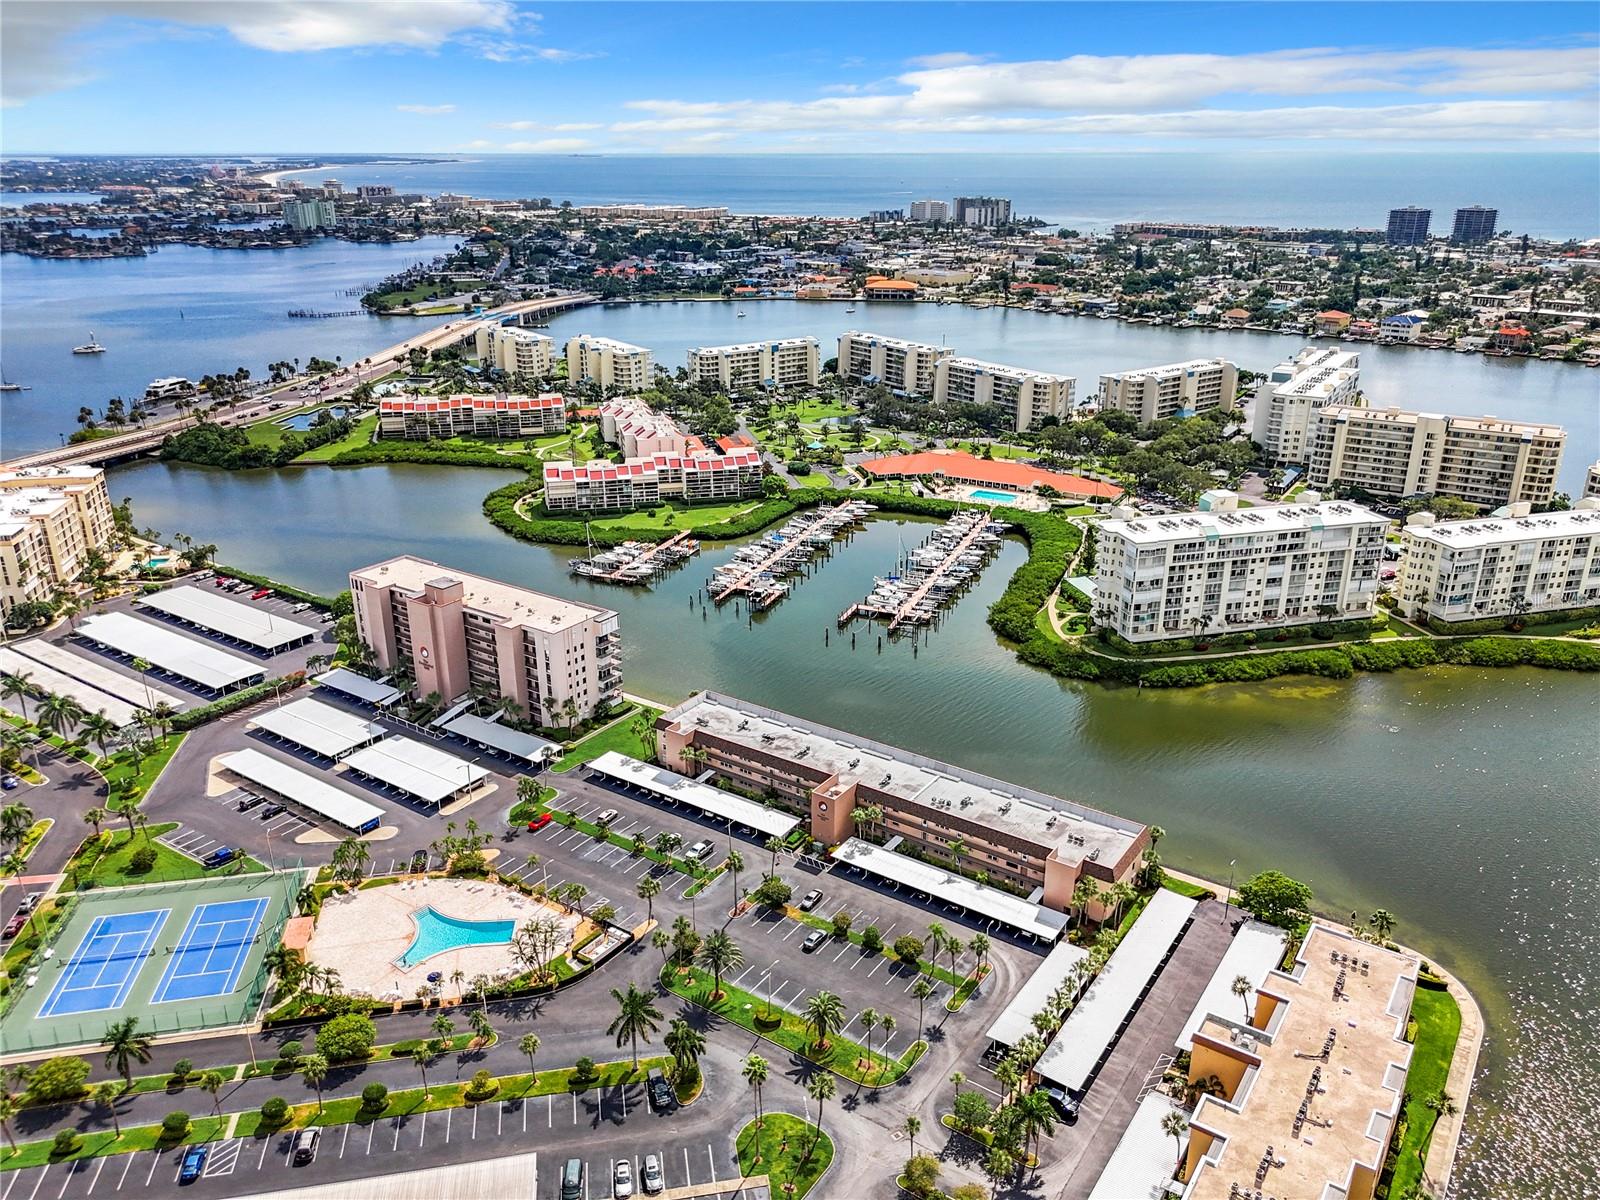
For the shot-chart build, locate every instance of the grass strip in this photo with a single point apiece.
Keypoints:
(1438, 1020)
(791, 1153)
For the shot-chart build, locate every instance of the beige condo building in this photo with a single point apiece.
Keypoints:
(1393, 452)
(1183, 389)
(513, 350)
(1591, 481)
(901, 366)
(1026, 397)
(50, 519)
(608, 363)
(788, 362)
(457, 631)
(1295, 392)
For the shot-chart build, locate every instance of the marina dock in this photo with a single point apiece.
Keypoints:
(933, 574)
(637, 562)
(758, 571)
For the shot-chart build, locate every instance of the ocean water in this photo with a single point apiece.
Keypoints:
(1547, 195)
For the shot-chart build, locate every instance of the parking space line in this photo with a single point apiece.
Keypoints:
(500, 1118)
(574, 1108)
(72, 1169)
(155, 1158)
(262, 1158)
(447, 1113)
(101, 1166)
(711, 1160)
(396, 1145)
(688, 1174)
(798, 926)
(372, 1127)
(847, 945)
(550, 1110)
(475, 1108)
(125, 1168)
(344, 1140)
(877, 968)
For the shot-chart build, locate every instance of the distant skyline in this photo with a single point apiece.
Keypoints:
(492, 76)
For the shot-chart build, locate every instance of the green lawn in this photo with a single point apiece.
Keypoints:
(812, 410)
(786, 1150)
(266, 433)
(359, 436)
(128, 777)
(681, 515)
(1438, 1019)
(142, 1137)
(114, 867)
(625, 736)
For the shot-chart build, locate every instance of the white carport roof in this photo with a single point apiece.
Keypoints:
(257, 627)
(303, 789)
(1016, 1019)
(1012, 911)
(1141, 1166)
(318, 727)
(1072, 1055)
(127, 688)
(43, 676)
(348, 683)
(1255, 950)
(213, 669)
(713, 801)
(416, 768)
(500, 737)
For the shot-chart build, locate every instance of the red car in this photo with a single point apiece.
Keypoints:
(538, 822)
(14, 926)
(221, 581)
(261, 593)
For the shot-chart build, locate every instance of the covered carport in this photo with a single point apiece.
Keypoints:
(713, 803)
(535, 752)
(416, 769)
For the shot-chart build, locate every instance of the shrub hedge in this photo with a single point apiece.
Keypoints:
(1498, 624)
(283, 589)
(234, 701)
(437, 453)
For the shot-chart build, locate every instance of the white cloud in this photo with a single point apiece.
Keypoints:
(953, 58)
(562, 127)
(549, 146)
(426, 110)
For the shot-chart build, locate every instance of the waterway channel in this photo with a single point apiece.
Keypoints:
(1464, 801)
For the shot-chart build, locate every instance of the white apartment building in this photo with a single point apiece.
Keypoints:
(1287, 403)
(310, 214)
(50, 519)
(790, 362)
(930, 210)
(1501, 566)
(599, 485)
(511, 349)
(1182, 389)
(1591, 481)
(901, 366)
(1393, 452)
(638, 430)
(1027, 397)
(613, 365)
(423, 417)
(458, 631)
(985, 211)
(1226, 572)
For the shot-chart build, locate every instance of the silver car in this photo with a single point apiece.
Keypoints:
(622, 1179)
(650, 1177)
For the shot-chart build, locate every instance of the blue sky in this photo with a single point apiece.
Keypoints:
(481, 76)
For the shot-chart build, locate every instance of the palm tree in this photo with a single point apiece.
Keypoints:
(16, 819)
(1382, 922)
(660, 939)
(649, 888)
(913, 1126)
(212, 1082)
(869, 1022)
(953, 946)
(1084, 894)
(59, 714)
(425, 1056)
(820, 1088)
(17, 685)
(106, 1096)
(719, 953)
(979, 945)
(143, 667)
(735, 863)
(637, 1017)
(1122, 895)
(1035, 1119)
(481, 1026)
(772, 847)
(8, 1109)
(315, 1069)
(528, 1043)
(350, 859)
(1175, 1125)
(100, 729)
(922, 990)
(1242, 987)
(685, 1043)
(125, 1045)
(755, 1071)
(285, 963)
(824, 1012)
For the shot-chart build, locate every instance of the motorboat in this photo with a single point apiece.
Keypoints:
(89, 347)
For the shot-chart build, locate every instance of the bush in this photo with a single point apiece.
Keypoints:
(347, 1037)
(174, 1125)
(142, 861)
(404, 1049)
(773, 892)
(193, 718)
(374, 1097)
(908, 949)
(274, 1111)
(181, 1070)
(58, 1079)
(583, 1069)
(872, 939)
(841, 924)
(66, 1142)
(482, 1086)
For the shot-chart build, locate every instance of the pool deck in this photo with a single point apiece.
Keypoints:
(363, 934)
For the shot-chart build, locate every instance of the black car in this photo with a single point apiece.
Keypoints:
(661, 1097)
(272, 810)
(249, 802)
(1062, 1102)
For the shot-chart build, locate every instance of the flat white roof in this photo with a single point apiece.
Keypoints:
(184, 657)
(500, 737)
(771, 343)
(1508, 531)
(505, 602)
(303, 789)
(1166, 370)
(99, 676)
(1141, 1166)
(1003, 907)
(985, 367)
(318, 727)
(209, 610)
(348, 683)
(1254, 952)
(1079, 1044)
(1262, 519)
(712, 801)
(416, 768)
(1016, 1020)
(52, 680)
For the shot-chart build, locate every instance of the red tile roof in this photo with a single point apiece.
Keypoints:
(958, 464)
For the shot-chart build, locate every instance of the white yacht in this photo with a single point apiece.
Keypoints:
(89, 347)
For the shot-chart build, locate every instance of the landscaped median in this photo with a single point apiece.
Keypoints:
(792, 1154)
(115, 858)
(784, 1028)
(964, 985)
(94, 1145)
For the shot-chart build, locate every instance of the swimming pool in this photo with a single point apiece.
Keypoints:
(437, 933)
(301, 422)
(989, 497)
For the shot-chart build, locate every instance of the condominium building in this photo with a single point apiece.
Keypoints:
(638, 430)
(1312, 1082)
(456, 632)
(1474, 225)
(930, 210)
(608, 363)
(637, 482)
(986, 211)
(901, 366)
(1591, 481)
(484, 416)
(310, 214)
(1294, 392)
(514, 350)
(1392, 452)
(1025, 841)
(1176, 390)
(50, 519)
(1409, 226)
(789, 362)
(1226, 572)
(1027, 397)
(1501, 566)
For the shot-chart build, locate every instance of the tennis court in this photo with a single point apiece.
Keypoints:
(101, 971)
(212, 950)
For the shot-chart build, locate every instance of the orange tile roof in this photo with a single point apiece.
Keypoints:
(959, 464)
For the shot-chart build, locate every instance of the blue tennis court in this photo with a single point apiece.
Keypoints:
(212, 951)
(102, 969)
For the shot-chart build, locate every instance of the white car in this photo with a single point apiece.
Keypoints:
(605, 818)
(650, 1176)
(701, 849)
(622, 1179)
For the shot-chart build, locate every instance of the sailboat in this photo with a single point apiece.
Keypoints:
(7, 386)
(89, 347)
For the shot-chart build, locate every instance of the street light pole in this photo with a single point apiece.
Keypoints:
(1228, 895)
